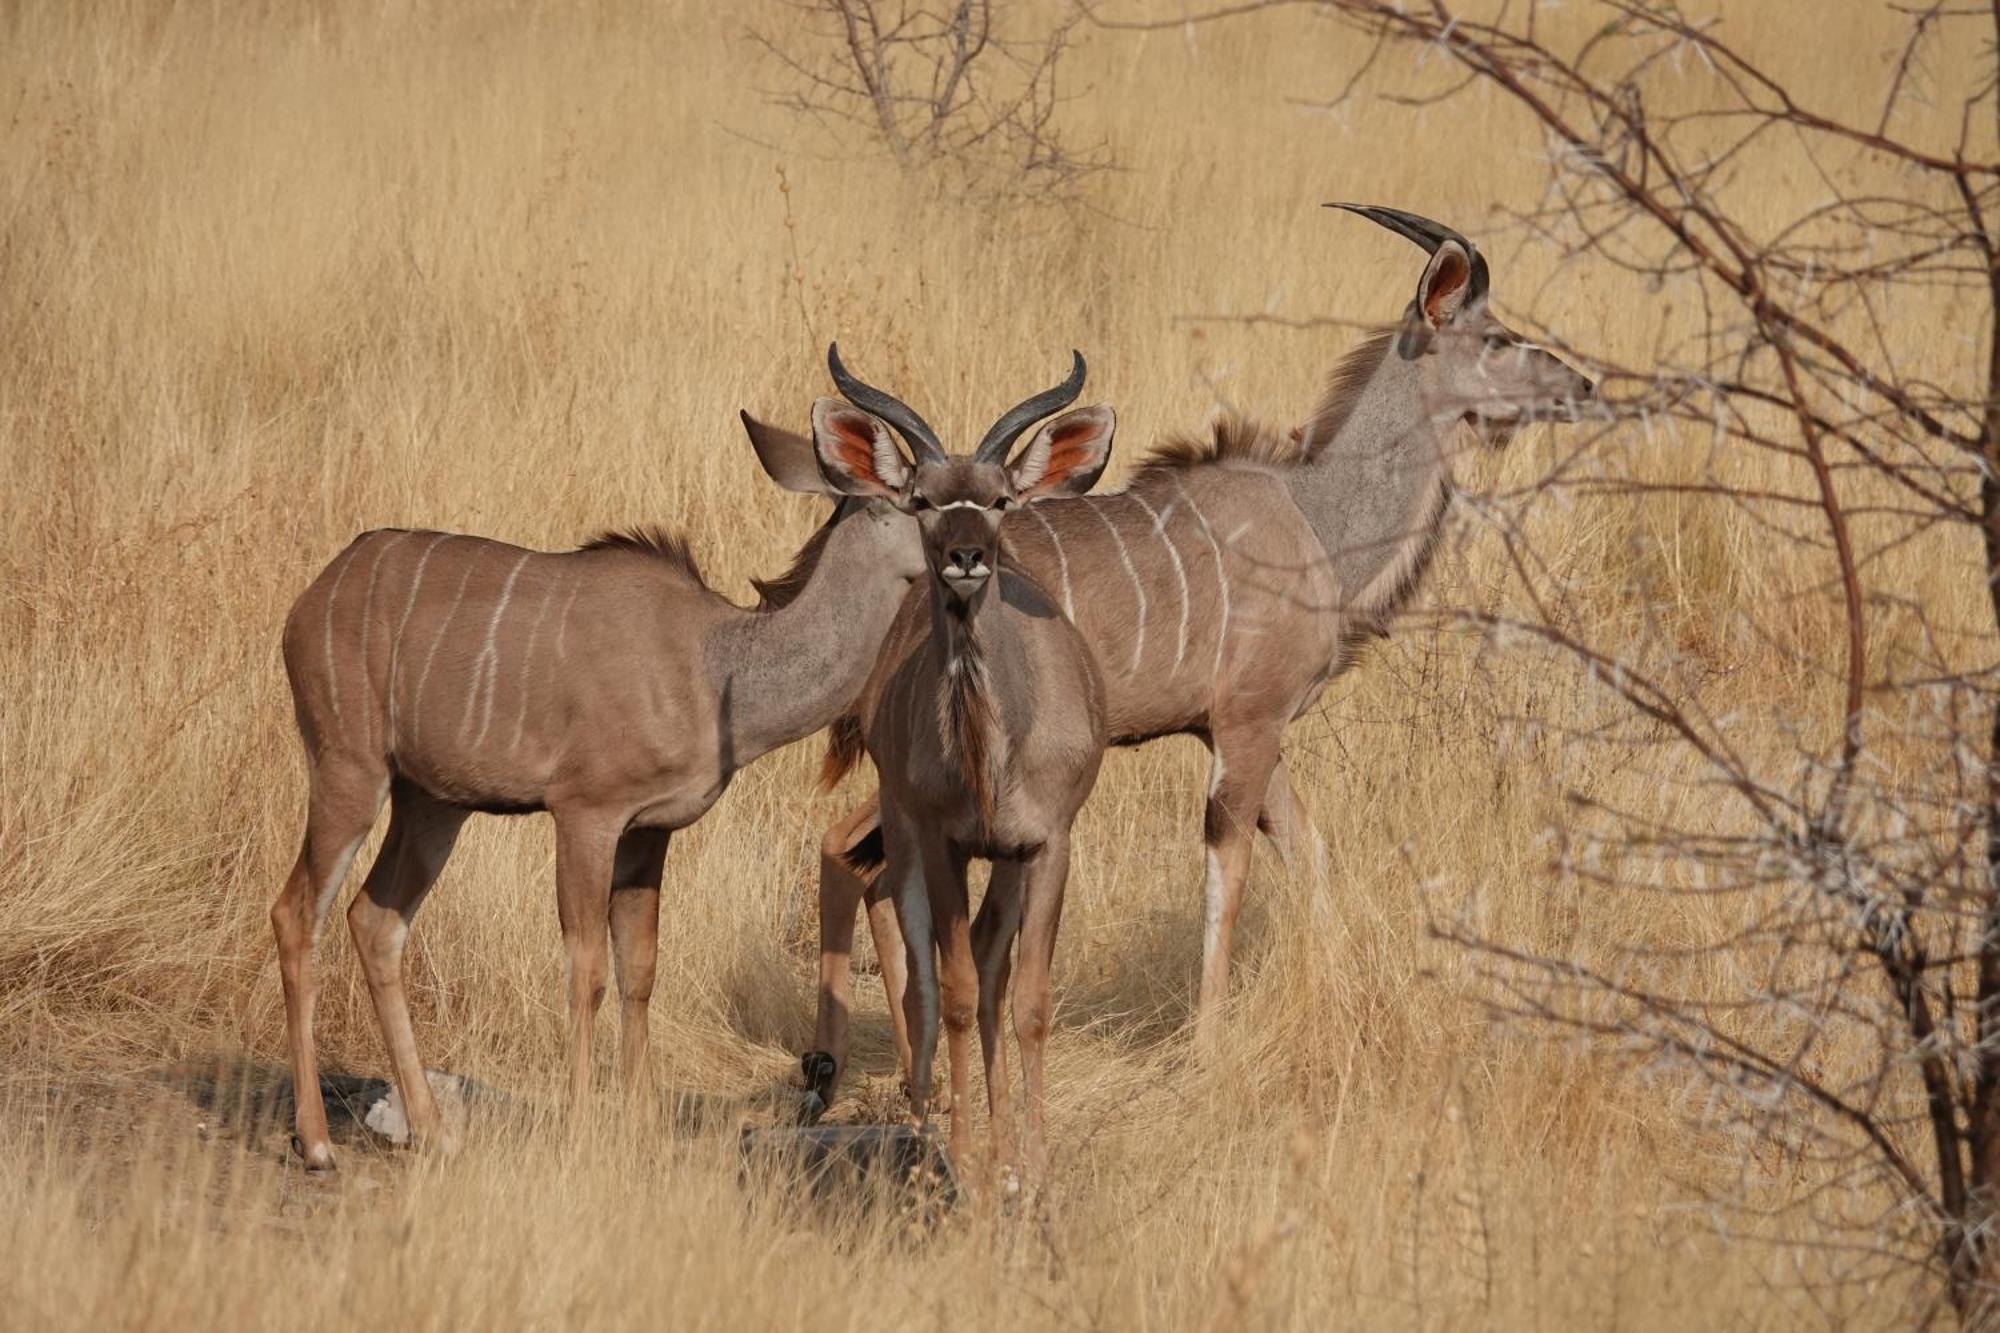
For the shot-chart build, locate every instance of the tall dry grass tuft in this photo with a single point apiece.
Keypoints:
(274, 274)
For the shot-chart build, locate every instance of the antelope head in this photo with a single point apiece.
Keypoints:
(1474, 367)
(958, 501)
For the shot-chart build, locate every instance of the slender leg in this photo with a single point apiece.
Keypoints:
(904, 874)
(1238, 781)
(635, 946)
(1285, 822)
(1047, 875)
(345, 797)
(422, 831)
(958, 982)
(993, 933)
(586, 849)
(844, 880)
(889, 955)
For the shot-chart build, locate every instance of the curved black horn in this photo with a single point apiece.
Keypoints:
(913, 428)
(999, 439)
(1430, 235)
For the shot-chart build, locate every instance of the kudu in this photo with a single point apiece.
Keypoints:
(609, 686)
(1233, 577)
(985, 718)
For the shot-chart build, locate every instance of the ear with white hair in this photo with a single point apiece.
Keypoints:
(1442, 293)
(857, 455)
(1066, 457)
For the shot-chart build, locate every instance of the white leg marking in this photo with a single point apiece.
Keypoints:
(1160, 518)
(396, 644)
(333, 883)
(1094, 505)
(332, 596)
(1062, 561)
(367, 621)
(528, 670)
(486, 669)
(1211, 919)
(430, 658)
(1221, 574)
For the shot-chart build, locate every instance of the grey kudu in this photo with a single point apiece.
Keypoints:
(985, 717)
(1233, 577)
(609, 686)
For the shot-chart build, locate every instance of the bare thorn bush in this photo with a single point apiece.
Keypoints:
(965, 88)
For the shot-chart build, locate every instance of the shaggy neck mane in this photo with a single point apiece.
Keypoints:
(965, 709)
(782, 591)
(669, 548)
(1236, 437)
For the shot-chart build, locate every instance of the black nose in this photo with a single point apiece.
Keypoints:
(966, 558)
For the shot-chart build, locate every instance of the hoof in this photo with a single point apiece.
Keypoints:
(820, 1071)
(319, 1157)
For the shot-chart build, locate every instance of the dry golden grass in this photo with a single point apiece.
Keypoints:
(273, 274)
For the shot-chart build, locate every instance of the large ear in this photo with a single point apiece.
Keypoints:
(855, 452)
(787, 457)
(1447, 279)
(1066, 457)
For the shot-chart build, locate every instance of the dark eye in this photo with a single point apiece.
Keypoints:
(1496, 341)
(918, 504)
(1004, 502)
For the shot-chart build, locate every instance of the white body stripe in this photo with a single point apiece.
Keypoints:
(1062, 561)
(332, 596)
(528, 670)
(368, 618)
(1180, 572)
(1132, 571)
(486, 669)
(430, 658)
(562, 625)
(1221, 573)
(396, 644)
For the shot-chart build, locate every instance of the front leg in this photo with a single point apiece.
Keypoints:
(586, 850)
(903, 872)
(1047, 876)
(849, 871)
(635, 947)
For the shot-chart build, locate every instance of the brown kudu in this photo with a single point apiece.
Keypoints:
(1232, 578)
(608, 686)
(985, 718)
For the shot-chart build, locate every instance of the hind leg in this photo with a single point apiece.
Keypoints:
(635, 946)
(422, 832)
(345, 796)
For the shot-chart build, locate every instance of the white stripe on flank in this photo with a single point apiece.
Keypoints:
(1221, 574)
(486, 667)
(332, 677)
(430, 658)
(367, 621)
(528, 671)
(396, 644)
(1062, 561)
(1139, 638)
(1180, 572)
(562, 625)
